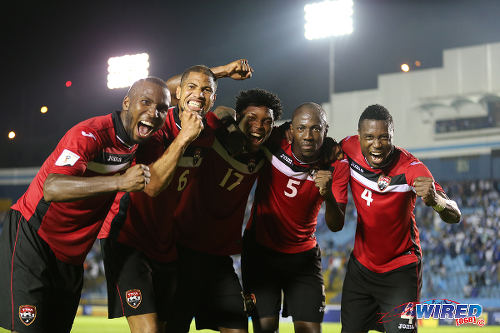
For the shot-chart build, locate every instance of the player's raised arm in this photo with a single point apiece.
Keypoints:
(334, 212)
(439, 201)
(162, 170)
(60, 187)
(237, 70)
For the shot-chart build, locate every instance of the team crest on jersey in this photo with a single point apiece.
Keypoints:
(27, 314)
(251, 165)
(249, 301)
(196, 156)
(383, 182)
(134, 297)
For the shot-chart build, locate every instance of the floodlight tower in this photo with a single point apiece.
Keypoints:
(329, 19)
(125, 70)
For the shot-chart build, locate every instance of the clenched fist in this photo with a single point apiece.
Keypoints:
(134, 179)
(191, 125)
(239, 70)
(323, 181)
(424, 188)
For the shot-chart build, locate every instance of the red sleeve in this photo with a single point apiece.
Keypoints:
(78, 146)
(340, 179)
(418, 169)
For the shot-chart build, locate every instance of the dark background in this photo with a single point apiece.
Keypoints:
(46, 43)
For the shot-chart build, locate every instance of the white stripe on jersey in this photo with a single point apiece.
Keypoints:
(106, 168)
(240, 167)
(374, 187)
(286, 170)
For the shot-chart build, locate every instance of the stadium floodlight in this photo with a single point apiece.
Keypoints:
(125, 70)
(328, 19)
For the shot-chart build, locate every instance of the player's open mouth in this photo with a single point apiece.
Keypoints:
(377, 158)
(256, 138)
(194, 105)
(144, 128)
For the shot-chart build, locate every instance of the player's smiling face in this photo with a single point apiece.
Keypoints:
(145, 110)
(308, 132)
(257, 123)
(375, 138)
(196, 93)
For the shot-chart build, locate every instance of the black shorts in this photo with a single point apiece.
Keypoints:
(137, 284)
(266, 273)
(209, 290)
(380, 301)
(38, 292)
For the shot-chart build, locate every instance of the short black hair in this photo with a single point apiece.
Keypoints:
(259, 97)
(376, 112)
(153, 79)
(199, 69)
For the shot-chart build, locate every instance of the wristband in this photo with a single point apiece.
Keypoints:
(440, 204)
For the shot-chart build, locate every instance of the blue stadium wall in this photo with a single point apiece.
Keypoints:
(465, 168)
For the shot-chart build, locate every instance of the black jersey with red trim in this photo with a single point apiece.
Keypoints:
(287, 202)
(211, 211)
(386, 235)
(94, 147)
(146, 223)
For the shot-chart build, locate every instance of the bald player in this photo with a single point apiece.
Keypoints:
(52, 227)
(280, 251)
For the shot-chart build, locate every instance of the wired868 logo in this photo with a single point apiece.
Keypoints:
(437, 309)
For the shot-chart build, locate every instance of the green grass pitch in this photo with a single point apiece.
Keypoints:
(89, 324)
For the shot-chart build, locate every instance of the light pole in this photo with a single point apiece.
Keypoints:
(328, 19)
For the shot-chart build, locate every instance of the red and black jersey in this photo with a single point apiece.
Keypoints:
(94, 147)
(387, 234)
(146, 223)
(287, 203)
(210, 214)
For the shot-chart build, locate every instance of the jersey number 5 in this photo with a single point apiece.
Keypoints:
(367, 195)
(292, 188)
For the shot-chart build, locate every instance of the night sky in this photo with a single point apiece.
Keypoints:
(46, 43)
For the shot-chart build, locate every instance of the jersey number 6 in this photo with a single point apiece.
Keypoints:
(183, 180)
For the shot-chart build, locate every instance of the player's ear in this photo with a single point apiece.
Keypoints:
(126, 103)
(178, 92)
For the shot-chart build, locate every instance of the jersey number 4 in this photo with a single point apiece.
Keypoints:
(367, 195)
